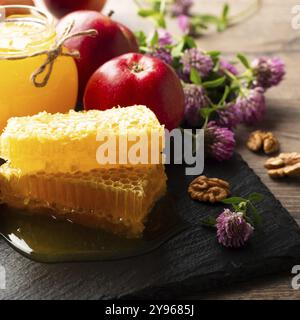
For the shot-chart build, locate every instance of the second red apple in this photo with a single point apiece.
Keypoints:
(113, 40)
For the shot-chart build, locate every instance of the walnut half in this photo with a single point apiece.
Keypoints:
(285, 165)
(209, 189)
(262, 140)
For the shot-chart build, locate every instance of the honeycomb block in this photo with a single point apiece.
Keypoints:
(68, 142)
(116, 199)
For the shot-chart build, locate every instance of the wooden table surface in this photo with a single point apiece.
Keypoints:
(268, 32)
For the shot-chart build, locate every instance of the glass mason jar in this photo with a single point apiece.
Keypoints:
(24, 31)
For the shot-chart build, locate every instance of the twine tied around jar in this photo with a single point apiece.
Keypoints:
(52, 54)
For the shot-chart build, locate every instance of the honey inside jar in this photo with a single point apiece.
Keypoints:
(25, 31)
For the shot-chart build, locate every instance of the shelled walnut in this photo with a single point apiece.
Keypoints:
(262, 140)
(209, 189)
(285, 165)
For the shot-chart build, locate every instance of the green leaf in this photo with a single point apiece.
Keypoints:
(156, 10)
(214, 83)
(154, 40)
(209, 222)
(214, 54)
(244, 60)
(189, 42)
(225, 95)
(145, 13)
(249, 220)
(223, 22)
(197, 24)
(145, 49)
(234, 200)
(206, 112)
(177, 50)
(195, 76)
(141, 38)
(257, 219)
(156, 4)
(159, 18)
(255, 197)
(208, 18)
(217, 64)
(236, 207)
(225, 12)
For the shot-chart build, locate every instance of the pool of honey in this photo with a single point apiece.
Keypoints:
(45, 239)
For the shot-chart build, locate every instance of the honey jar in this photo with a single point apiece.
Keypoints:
(33, 76)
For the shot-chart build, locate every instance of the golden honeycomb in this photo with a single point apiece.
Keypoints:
(51, 164)
(69, 142)
(116, 199)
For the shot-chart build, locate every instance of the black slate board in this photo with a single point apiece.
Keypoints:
(186, 264)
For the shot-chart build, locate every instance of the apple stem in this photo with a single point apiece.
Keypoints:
(111, 13)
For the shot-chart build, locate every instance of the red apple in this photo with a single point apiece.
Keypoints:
(113, 40)
(130, 36)
(137, 79)
(60, 8)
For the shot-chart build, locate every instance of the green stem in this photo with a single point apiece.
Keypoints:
(230, 75)
(163, 5)
(205, 123)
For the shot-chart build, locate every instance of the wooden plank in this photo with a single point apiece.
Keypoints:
(266, 288)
